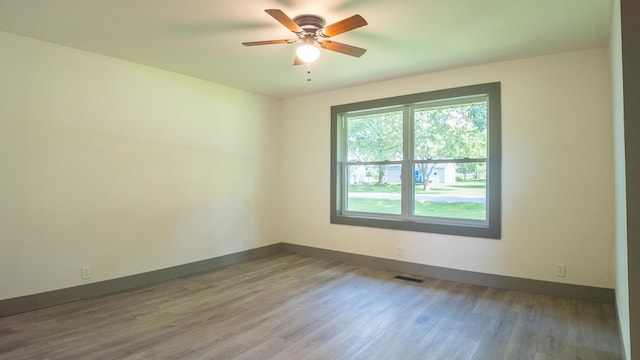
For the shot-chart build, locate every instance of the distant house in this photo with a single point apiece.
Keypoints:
(441, 173)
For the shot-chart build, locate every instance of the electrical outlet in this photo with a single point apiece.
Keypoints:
(86, 272)
(561, 270)
(399, 251)
(245, 242)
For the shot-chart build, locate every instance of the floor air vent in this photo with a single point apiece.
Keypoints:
(407, 278)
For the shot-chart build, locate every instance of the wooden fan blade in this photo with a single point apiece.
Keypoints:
(266, 42)
(342, 26)
(284, 20)
(297, 61)
(343, 48)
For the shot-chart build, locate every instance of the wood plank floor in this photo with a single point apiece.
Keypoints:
(295, 307)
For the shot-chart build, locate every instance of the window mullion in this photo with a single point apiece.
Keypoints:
(344, 165)
(407, 162)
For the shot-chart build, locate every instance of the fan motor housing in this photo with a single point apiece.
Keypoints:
(309, 23)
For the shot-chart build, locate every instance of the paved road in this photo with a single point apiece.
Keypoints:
(423, 197)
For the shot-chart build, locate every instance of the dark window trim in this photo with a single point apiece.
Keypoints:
(494, 166)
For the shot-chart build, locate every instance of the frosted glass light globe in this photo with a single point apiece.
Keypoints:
(308, 53)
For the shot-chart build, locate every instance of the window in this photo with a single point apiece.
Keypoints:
(424, 162)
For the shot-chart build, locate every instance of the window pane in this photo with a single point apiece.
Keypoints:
(451, 190)
(448, 143)
(451, 132)
(374, 189)
(376, 137)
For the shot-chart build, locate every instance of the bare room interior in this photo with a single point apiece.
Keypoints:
(180, 182)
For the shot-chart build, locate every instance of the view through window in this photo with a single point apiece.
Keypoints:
(422, 162)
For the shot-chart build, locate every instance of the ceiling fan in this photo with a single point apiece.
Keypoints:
(312, 32)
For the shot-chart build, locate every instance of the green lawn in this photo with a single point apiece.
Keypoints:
(454, 209)
(382, 206)
(467, 188)
(458, 210)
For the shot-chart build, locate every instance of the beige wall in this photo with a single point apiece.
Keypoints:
(557, 173)
(125, 168)
(129, 169)
(622, 278)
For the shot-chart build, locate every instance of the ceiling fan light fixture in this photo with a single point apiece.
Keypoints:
(312, 32)
(307, 52)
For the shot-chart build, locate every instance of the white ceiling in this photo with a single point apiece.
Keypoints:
(201, 38)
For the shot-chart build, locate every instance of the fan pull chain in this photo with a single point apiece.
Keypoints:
(308, 71)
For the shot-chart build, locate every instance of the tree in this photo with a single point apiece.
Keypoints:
(447, 132)
(375, 138)
(452, 132)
